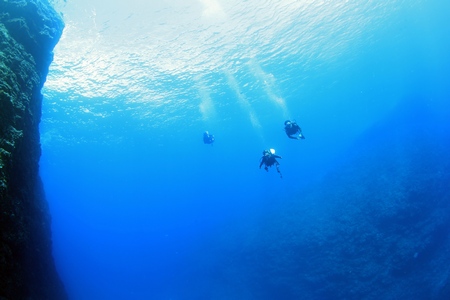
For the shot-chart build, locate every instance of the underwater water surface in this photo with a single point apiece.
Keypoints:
(143, 209)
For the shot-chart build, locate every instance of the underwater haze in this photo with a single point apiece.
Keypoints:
(143, 209)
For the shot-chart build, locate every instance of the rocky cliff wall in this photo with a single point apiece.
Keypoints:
(29, 30)
(376, 227)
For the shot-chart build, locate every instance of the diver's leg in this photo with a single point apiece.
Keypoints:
(278, 170)
(300, 135)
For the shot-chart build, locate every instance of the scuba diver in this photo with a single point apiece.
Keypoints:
(292, 130)
(269, 159)
(208, 138)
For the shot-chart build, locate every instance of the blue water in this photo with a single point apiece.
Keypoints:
(142, 209)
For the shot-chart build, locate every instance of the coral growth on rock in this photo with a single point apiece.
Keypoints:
(29, 30)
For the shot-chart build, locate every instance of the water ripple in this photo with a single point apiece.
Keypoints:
(176, 58)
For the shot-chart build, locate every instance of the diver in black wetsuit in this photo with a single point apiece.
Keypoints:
(208, 138)
(269, 159)
(293, 131)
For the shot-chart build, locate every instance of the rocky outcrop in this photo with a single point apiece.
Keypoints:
(29, 30)
(377, 227)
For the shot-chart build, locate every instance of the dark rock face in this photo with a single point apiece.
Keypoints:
(29, 30)
(377, 227)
